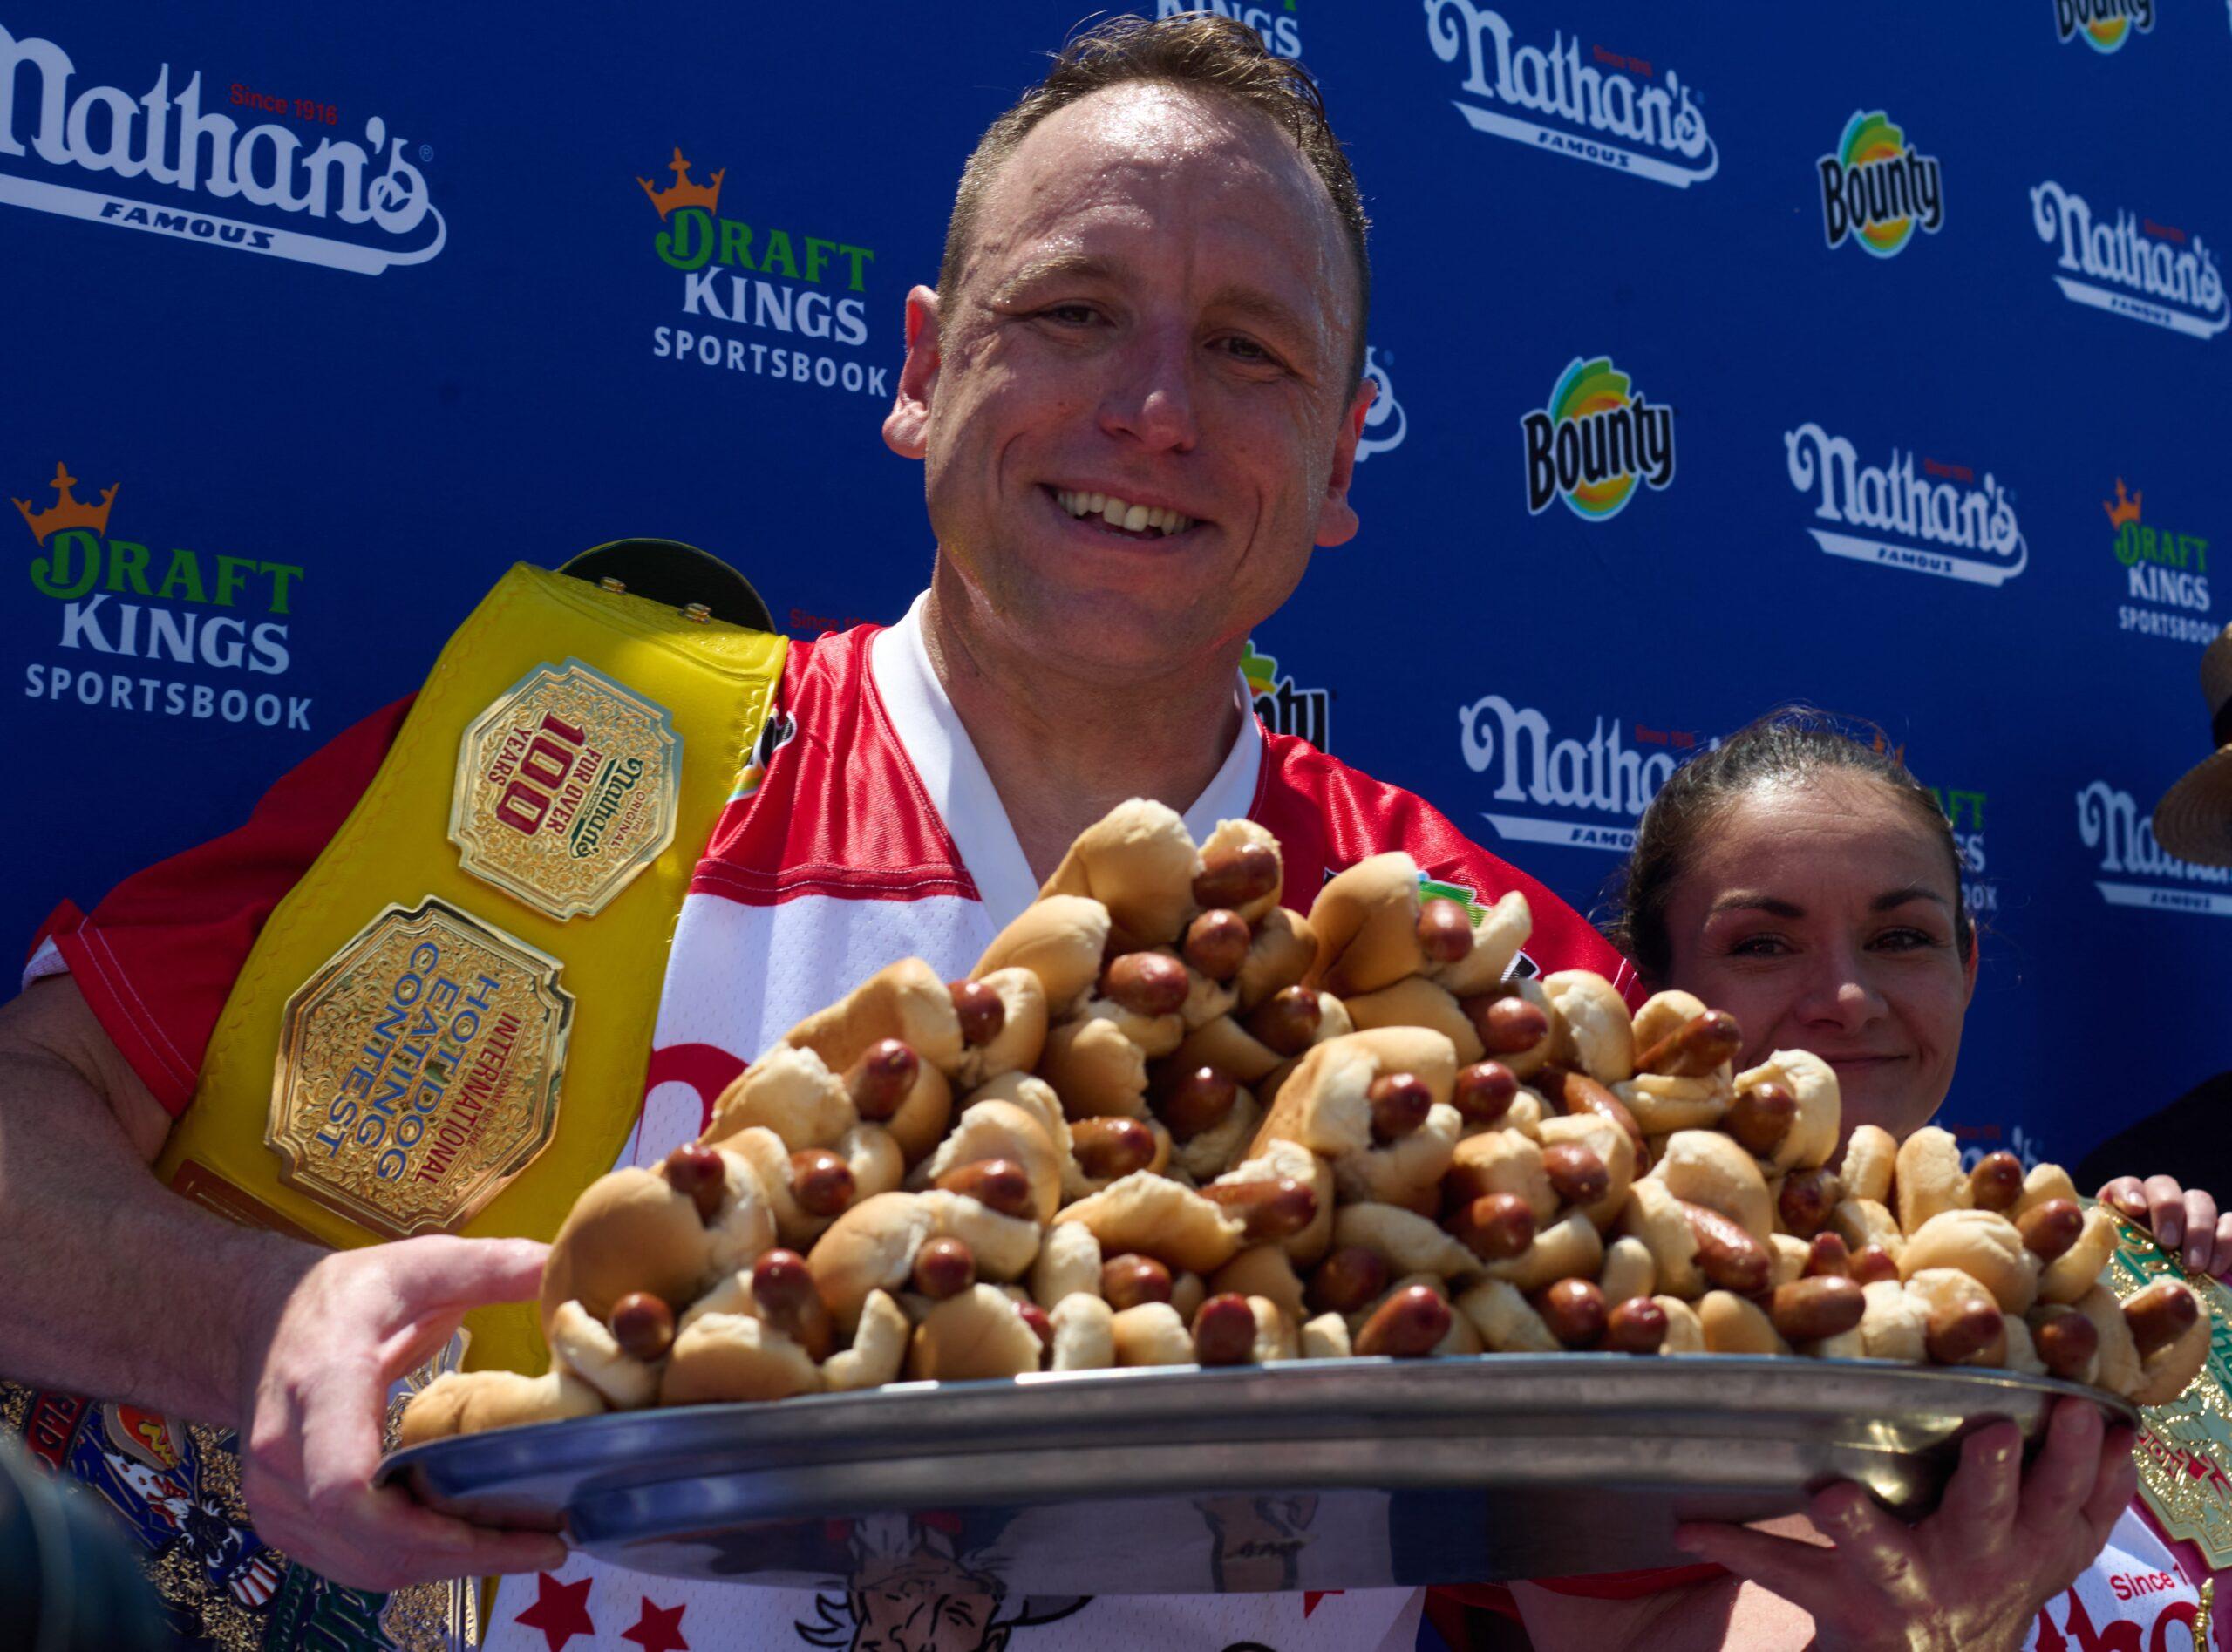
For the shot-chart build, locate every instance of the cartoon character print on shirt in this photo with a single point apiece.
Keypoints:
(913, 1588)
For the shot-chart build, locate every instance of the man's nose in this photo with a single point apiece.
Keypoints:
(1152, 399)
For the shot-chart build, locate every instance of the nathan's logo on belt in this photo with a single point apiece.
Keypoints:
(2134, 268)
(567, 788)
(1876, 187)
(2110, 820)
(1935, 519)
(2103, 24)
(419, 1070)
(1595, 441)
(1595, 105)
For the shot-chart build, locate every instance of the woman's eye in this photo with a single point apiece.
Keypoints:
(1758, 947)
(1907, 940)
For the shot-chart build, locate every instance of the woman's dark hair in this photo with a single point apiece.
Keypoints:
(1791, 742)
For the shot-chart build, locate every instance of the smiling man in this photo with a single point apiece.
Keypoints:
(1137, 392)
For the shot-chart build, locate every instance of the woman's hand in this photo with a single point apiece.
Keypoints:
(2178, 1215)
(1971, 1577)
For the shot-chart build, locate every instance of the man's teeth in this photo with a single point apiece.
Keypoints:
(1121, 513)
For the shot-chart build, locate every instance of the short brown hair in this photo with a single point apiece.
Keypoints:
(1215, 55)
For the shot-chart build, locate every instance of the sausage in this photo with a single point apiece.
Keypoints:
(1872, 1264)
(1195, 1100)
(1997, 1182)
(1400, 1101)
(1042, 1327)
(1445, 930)
(1828, 1257)
(1963, 1328)
(1484, 1092)
(1216, 943)
(1408, 1325)
(944, 1268)
(1696, 1048)
(1111, 1148)
(699, 1171)
(1760, 1117)
(1001, 1184)
(1727, 1255)
(1806, 1310)
(1807, 1199)
(882, 1079)
(642, 1325)
(1146, 983)
(1286, 1022)
(1575, 1311)
(2050, 1227)
(1224, 1330)
(982, 1013)
(1495, 1226)
(1234, 874)
(822, 1182)
(791, 1301)
(1128, 1280)
(1576, 1092)
(2160, 1314)
(1577, 1174)
(1347, 1280)
(1506, 1024)
(1276, 1208)
(2066, 1341)
(1637, 1326)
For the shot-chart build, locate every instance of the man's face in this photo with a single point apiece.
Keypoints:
(1158, 308)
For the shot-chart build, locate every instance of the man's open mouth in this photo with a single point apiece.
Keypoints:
(1142, 521)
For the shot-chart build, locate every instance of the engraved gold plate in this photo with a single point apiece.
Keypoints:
(418, 1070)
(567, 787)
(2185, 1448)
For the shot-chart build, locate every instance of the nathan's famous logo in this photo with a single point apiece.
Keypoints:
(1600, 106)
(1274, 19)
(2102, 25)
(177, 607)
(2109, 821)
(2162, 570)
(1604, 775)
(762, 288)
(179, 153)
(2133, 268)
(1878, 188)
(1940, 521)
(1385, 423)
(1305, 713)
(1595, 441)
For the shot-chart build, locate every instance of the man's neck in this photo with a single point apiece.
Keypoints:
(1062, 751)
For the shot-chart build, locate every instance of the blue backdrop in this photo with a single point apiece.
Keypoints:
(1870, 356)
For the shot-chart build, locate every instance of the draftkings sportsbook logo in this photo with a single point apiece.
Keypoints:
(1937, 518)
(1877, 189)
(1609, 775)
(181, 155)
(760, 300)
(2162, 571)
(2102, 25)
(2133, 268)
(1273, 19)
(2109, 821)
(1595, 105)
(1595, 441)
(129, 613)
(1305, 713)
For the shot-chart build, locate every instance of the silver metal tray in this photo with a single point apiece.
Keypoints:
(1332, 1474)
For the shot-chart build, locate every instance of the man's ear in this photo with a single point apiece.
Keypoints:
(907, 427)
(1337, 518)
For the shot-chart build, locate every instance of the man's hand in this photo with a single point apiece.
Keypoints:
(356, 1320)
(1971, 1577)
(2185, 1216)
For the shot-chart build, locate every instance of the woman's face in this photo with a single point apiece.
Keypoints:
(1820, 914)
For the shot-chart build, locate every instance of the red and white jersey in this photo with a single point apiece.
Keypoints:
(2143, 1595)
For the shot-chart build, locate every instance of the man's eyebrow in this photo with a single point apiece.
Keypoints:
(1255, 301)
(1745, 901)
(1066, 266)
(1891, 898)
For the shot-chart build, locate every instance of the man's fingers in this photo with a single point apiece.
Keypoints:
(439, 1272)
(2115, 1482)
(381, 1539)
(1872, 1547)
(2166, 1209)
(2221, 1263)
(2200, 1229)
(2124, 1192)
(1986, 1488)
(2067, 1469)
(1801, 1572)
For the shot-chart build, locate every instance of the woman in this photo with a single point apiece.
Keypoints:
(1811, 886)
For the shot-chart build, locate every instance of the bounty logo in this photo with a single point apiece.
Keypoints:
(2109, 821)
(1602, 106)
(1940, 522)
(2102, 25)
(1875, 186)
(228, 613)
(368, 192)
(1275, 21)
(1305, 713)
(2133, 267)
(1385, 423)
(765, 287)
(2162, 570)
(1537, 771)
(1595, 441)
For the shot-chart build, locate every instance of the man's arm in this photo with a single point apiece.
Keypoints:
(123, 1290)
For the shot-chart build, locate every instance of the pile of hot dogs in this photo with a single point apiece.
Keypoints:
(1164, 1120)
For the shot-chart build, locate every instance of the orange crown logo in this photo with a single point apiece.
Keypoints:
(2126, 509)
(68, 510)
(685, 193)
